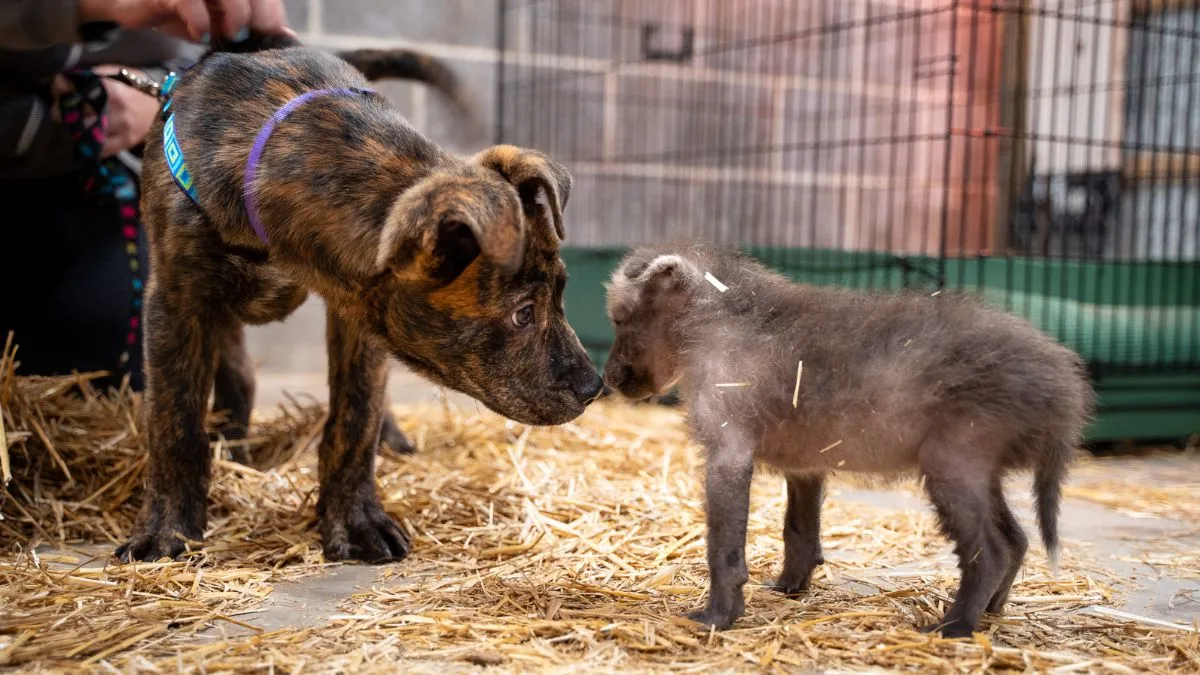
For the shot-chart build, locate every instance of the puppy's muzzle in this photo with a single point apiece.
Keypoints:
(586, 384)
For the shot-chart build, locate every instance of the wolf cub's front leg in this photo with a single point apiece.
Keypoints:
(728, 472)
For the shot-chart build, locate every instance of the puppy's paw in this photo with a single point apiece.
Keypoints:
(158, 536)
(362, 531)
(713, 618)
(394, 438)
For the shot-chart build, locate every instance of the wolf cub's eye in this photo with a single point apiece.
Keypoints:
(523, 316)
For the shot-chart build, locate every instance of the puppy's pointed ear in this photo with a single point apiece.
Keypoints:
(530, 172)
(438, 227)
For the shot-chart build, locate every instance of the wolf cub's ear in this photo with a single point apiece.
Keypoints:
(669, 270)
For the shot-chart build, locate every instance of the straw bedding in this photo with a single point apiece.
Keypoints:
(564, 549)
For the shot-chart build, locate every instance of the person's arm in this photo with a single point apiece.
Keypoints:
(35, 24)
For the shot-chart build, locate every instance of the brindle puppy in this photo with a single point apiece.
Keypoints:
(234, 381)
(943, 386)
(451, 265)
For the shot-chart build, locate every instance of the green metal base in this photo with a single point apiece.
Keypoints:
(1138, 319)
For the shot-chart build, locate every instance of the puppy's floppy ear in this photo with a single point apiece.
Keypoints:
(445, 221)
(530, 171)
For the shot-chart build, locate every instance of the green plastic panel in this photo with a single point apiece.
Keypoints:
(1121, 317)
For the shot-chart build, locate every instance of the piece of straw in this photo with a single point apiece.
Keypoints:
(796, 391)
(831, 446)
(715, 282)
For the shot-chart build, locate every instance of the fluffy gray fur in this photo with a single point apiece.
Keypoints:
(891, 384)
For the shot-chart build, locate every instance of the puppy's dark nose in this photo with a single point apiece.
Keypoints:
(587, 388)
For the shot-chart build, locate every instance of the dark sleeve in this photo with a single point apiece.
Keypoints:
(32, 144)
(34, 24)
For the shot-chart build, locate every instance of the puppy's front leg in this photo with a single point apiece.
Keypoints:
(180, 358)
(728, 471)
(353, 523)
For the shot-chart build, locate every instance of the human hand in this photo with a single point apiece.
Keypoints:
(191, 19)
(130, 112)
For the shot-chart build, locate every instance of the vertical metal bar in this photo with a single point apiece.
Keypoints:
(1049, 263)
(968, 141)
(1158, 297)
(1064, 265)
(1188, 185)
(1092, 144)
(1140, 144)
(837, 152)
(895, 144)
(863, 235)
(501, 49)
(990, 184)
(1146, 263)
(949, 140)
(793, 136)
(1018, 121)
(1032, 92)
(690, 190)
(817, 145)
(914, 112)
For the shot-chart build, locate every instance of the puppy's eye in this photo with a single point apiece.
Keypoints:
(523, 316)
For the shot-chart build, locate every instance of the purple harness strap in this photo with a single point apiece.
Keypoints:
(260, 144)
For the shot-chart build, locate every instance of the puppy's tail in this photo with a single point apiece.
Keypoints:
(379, 64)
(409, 64)
(403, 64)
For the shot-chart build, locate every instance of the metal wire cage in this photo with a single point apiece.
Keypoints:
(1042, 153)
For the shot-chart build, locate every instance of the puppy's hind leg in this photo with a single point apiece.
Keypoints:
(353, 523)
(233, 390)
(801, 533)
(392, 436)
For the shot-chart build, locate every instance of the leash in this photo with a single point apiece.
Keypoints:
(105, 179)
(174, 153)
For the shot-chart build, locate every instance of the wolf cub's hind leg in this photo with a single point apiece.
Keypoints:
(801, 533)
